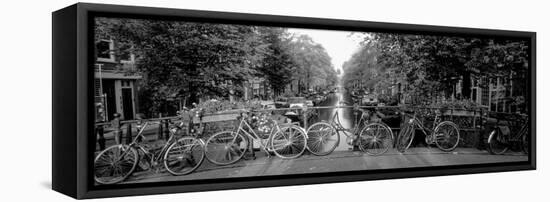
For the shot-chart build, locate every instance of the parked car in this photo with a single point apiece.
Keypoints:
(281, 102)
(369, 100)
(309, 103)
(296, 102)
(268, 105)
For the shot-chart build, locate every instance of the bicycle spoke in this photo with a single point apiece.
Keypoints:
(105, 159)
(322, 139)
(293, 145)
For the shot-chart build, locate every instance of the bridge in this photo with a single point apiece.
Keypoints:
(345, 158)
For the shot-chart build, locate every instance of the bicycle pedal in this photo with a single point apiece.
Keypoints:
(249, 158)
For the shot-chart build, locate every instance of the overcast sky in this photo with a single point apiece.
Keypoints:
(340, 45)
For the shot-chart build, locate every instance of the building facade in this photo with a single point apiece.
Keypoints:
(115, 83)
(500, 93)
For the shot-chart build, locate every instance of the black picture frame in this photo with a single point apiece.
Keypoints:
(73, 131)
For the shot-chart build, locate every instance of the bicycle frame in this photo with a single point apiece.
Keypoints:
(253, 136)
(335, 121)
(353, 132)
(522, 132)
(153, 159)
(517, 137)
(428, 132)
(517, 134)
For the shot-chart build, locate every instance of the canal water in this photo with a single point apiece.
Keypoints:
(345, 116)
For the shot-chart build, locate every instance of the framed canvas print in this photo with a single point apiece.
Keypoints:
(155, 100)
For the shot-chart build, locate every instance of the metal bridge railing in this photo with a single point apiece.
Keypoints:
(470, 120)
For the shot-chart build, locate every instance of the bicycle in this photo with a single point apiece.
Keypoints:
(500, 138)
(444, 134)
(374, 138)
(228, 147)
(178, 156)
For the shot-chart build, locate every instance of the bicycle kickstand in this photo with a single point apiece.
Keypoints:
(267, 153)
(252, 155)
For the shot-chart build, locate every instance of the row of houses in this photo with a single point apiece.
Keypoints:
(498, 93)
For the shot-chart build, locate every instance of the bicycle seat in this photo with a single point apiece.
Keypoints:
(179, 126)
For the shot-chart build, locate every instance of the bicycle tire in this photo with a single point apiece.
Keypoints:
(375, 138)
(525, 140)
(495, 145)
(525, 143)
(184, 161)
(128, 166)
(289, 143)
(226, 147)
(452, 138)
(318, 134)
(405, 137)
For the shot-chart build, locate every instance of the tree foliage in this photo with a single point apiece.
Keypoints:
(188, 59)
(315, 66)
(191, 60)
(277, 65)
(430, 66)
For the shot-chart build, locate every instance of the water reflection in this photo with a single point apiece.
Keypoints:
(345, 115)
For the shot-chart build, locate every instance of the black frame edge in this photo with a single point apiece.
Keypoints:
(296, 181)
(533, 100)
(298, 21)
(64, 101)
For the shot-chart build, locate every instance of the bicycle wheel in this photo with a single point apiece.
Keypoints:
(375, 138)
(447, 136)
(225, 147)
(289, 143)
(405, 137)
(322, 138)
(115, 164)
(184, 156)
(525, 144)
(498, 143)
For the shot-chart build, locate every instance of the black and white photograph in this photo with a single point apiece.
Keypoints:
(286, 100)
(186, 100)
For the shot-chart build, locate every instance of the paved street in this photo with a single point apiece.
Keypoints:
(337, 161)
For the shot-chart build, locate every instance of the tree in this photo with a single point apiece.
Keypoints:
(187, 59)
(431, 65)
(277, 65)
(361, 70)
(314, 66)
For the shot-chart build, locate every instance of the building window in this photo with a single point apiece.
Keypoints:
(474, 95)
(104, 50)
(126, 55)
(125, 83)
